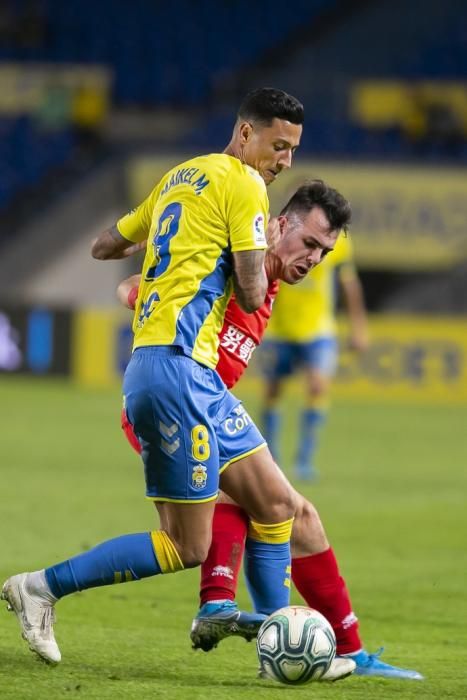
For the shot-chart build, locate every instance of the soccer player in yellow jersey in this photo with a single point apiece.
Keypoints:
(204, 223)
(302, 335)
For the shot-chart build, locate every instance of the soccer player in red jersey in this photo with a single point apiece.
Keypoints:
(315, 571)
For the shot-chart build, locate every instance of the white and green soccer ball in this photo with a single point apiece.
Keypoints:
(295, 645)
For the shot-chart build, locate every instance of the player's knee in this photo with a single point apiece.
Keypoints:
(193, 553)
(306, 511)
(308, 535)
(286, 509)
(309, 516)
(282, 505)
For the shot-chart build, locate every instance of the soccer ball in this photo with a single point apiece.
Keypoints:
(295, 645)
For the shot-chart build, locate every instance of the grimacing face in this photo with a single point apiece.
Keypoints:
(269, 149)
(305, 241)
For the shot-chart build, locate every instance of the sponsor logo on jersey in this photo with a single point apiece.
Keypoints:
(237, 343)
(235, 424)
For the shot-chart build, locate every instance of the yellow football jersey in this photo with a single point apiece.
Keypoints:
(195, 218)
(306, 310)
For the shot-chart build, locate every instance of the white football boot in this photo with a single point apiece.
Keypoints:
(340, 668)
(36, 616)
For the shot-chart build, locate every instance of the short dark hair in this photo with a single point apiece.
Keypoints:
(316, 193)
(265, 104)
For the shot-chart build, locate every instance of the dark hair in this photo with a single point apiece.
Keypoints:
(316, 193)
(265, 104)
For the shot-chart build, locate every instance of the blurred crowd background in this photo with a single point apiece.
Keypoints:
(98, 98)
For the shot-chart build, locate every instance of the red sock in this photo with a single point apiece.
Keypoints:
(319, 582)
(219, 573)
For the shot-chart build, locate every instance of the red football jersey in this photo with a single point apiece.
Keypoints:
(240, 335)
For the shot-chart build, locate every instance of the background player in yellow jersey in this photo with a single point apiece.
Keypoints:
(204, 223)
(302, 335)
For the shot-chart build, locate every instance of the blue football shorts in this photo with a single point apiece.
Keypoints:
(282, 358)
(189, 425)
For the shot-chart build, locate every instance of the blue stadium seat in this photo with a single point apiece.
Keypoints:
(27, 153)
(163, 53)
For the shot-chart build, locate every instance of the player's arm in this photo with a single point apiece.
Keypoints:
(111, 245)
(128, 235)
(354, 301)
(247, 214)
(127, 291)
(250, 280)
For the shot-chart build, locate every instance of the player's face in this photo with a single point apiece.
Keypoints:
(305, 242)
(270, 149)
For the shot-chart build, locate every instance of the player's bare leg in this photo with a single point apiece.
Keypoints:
(308, 535)
(258, 485)
(189, 526)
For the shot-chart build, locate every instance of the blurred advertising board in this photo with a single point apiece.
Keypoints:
(404, 218)
(35, 340)
(410, 358)
(102, 344)
(382, 104)
(52, 91)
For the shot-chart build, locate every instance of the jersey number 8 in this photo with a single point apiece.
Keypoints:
(167, 227)
(200, 443)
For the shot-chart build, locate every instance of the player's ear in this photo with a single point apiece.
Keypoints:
(245, 132)
(282, 220)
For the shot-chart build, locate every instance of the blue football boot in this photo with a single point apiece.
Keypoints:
(371, 665)
(216, 621)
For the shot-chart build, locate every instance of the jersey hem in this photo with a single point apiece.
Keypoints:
(241, 456)
(130, 240)
(187, 352)
(163, 499)
(241, 249)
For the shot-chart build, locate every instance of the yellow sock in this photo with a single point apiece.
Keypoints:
(277, 533)
(166, 554)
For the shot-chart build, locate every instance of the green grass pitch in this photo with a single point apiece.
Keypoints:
(393, 499)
